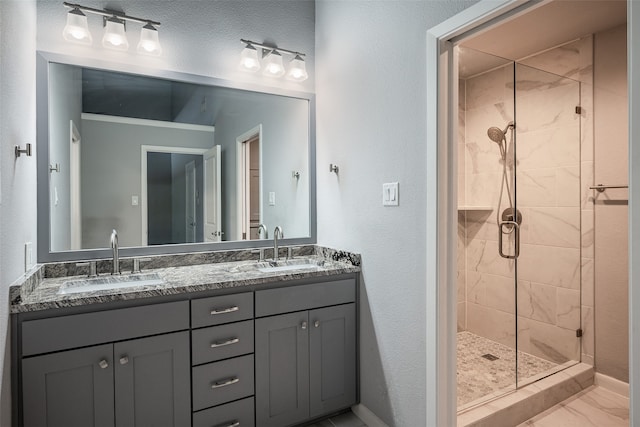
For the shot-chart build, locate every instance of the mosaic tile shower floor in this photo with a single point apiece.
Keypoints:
(478, 377)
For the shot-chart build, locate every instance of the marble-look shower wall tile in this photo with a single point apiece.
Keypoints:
(568, 186)
(588, 282)
(490, 323)
(586, 180)
(500, 293)
(550, 265)
(483, 257)
(476, 289)
(552, 343)
(488, 88)
(549, 148)
(537, 187)
(482, 189)
(537, 301)
(555, 227)
(482, 225)
(588, 234)
(568, 308)
(461, 315)
(563, 60)
(588, 332)
(549, 108)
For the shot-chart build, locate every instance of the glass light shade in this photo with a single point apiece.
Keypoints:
(249, 59)
(274, 66)
(149, 43)
(297, 70)
(77, 28)
(114, 35)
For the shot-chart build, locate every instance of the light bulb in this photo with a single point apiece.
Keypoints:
(297, 70)
(274, 66)
(77, 28)
(249, 59)
(149, 42)
(114, 35)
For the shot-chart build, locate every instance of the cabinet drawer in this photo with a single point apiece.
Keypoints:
(222, 309)
(79, 330)
(221, 342)
(304, 297)
(238, 413)
(221, 382)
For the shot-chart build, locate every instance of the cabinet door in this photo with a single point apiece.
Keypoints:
(332, 358)
(282, 369)
(152, 381)
(69, 388)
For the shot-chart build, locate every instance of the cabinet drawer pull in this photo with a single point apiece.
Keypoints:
(225, 383)
(316, 324)
(124, 360)
(103, 364)
(232, 424)
(304, 325)
(225, 310)
(223, 343)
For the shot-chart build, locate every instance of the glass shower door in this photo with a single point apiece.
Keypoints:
(547, 241)
(486, 281)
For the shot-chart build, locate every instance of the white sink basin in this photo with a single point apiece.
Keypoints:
(109, 282)
(290, 265)
(286, 268)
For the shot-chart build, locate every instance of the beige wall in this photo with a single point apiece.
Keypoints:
(610, 207)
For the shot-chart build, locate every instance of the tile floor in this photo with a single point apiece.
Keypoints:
(478, 377)
(347, 419)
(592, 407)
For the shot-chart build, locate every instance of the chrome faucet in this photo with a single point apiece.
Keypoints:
(277, 234)
(261, 227)
(114, 250)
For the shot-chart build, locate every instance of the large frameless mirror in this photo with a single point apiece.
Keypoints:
(173, 162)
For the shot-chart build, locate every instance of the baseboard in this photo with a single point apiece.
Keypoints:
(367, 417)
(612, 384)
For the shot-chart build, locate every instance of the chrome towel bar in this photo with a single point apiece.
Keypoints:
(601, 187)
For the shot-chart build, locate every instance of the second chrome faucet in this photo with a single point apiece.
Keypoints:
(277, 234)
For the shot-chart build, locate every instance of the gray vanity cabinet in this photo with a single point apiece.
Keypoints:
(70, 388)
(152, 381)
(305, 360)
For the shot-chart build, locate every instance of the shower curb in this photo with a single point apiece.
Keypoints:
(520, 405)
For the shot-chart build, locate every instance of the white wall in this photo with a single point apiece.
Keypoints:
(17, 176)
(370, 122)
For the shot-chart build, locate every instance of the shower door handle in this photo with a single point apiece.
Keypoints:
(516, 230)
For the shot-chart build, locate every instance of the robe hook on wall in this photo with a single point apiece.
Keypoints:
(18, 151)
(333, 168)
(54, 169)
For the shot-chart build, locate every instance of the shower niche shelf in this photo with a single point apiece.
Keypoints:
(475, 208)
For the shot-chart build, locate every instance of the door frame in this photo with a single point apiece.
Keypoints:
(441, 193)
(242, 198)
(190, 175)
(144, 149)
(75, 199)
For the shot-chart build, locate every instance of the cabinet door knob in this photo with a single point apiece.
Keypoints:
(124, 360)
(103, 364)
(316, 323)
(304, 325)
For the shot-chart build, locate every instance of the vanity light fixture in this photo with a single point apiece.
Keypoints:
(115, 37)
(77, 28)
(274, 66)
(149, 42)
(249, 59)
(273, 63)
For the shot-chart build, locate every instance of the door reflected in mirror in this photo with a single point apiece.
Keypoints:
(172, 162)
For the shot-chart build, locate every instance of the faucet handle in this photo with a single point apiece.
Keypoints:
(136, 264)
(93, 270)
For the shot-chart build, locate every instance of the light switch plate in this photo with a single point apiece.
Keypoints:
(390, 194)
(134, 200)
(28, 256)
(272, 198)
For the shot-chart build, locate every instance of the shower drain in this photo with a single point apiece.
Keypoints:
(491, 357)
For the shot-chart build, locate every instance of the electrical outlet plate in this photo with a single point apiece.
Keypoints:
(28, 256)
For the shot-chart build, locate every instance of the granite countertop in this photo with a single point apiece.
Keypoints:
(45, 294)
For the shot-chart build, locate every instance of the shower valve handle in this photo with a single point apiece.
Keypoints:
(516, 228)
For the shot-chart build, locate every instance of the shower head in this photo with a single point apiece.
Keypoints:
(495, 134)
(498, 135)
